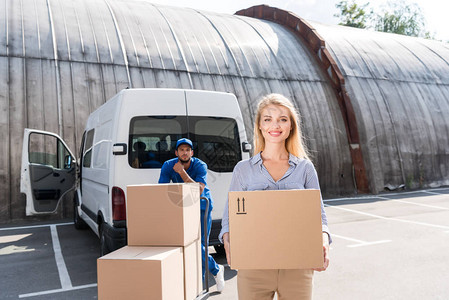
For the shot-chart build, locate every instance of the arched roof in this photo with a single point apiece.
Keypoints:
(373, 105)
(399, 88)
(62, 59)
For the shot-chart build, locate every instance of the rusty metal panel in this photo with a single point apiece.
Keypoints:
(439, 52)
(69, 20)
(37, 33)
(136, 77)
(378, 141)
(34, 94)
(102, 32)
(81, 99)
(170, 79)
(148, 41)
(91, 31)
(148, 77)
(5, 138)
(69, 120)
(56, 15)
(17, 123)
(325, 134)
(293, 57)
(249, 59)
(95, 77)
(4, 24)
(108, 81)
(13, 13)
(49, 96)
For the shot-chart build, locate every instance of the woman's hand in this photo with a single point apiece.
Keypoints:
(325, 252)
(227, 247)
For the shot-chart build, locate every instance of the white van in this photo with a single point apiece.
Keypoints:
(126, 141)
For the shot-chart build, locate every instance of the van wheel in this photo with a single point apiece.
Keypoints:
(79, 223)
(103, 245)
(220, 249)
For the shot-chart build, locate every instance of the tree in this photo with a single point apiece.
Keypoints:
(351, 14)
(401, 18)
(396, 17)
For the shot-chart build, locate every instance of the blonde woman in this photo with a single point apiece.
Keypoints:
(280, 162)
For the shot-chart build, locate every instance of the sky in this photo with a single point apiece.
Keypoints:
(434, 11)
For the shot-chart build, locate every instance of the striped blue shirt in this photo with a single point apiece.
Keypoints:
(251, 175)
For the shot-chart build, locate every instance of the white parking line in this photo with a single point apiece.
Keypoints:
(387, 218)
(58, 290)
(413, 192)
(389, 199)
(433, 193)
(360, 243)
(383, 196)
(66, 283)
(441, 189)
(353, 198)
(35, 226)
(420, 204)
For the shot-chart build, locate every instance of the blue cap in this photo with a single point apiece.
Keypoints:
(184, 141)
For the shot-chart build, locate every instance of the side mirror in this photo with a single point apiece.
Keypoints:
(246, 147)
(68, 162)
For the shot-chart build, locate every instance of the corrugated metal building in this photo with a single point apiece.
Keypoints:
(399, 88)
(372, 104)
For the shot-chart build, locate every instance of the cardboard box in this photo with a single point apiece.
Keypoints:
(137, 265)
(275, 229)
(163, 214)
(141, 273)
(192, 270)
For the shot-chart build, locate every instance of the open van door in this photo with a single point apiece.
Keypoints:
(48, 171)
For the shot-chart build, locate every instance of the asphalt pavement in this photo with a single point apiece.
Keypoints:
(387, 246)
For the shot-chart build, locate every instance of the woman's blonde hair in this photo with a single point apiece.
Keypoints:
(294, 143)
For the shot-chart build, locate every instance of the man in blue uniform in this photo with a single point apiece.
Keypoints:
(186, 168)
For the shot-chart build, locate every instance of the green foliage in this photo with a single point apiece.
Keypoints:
(397, 17)
(351, 14)
(401, 18)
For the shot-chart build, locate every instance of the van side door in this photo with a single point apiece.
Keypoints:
(48, 171)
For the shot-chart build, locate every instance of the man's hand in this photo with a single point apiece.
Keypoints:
(178, 168)
(325, 252)
(227, 247)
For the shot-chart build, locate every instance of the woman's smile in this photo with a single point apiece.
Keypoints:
(275, 133)
(275, 123)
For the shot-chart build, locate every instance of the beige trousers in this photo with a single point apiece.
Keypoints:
(262, 284)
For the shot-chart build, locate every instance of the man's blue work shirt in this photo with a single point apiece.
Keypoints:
(197, 171)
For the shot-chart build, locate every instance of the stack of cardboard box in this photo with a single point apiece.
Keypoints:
(163, 256)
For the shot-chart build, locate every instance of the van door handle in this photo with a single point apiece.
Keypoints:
(56, 174)
(119, 149)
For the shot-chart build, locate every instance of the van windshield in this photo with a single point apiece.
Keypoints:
(152, 140)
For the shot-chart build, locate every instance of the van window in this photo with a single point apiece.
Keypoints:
(216, 142)
(152, 140)
(47, 150)
(102, 142)
(87, 157)
(81, 161)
